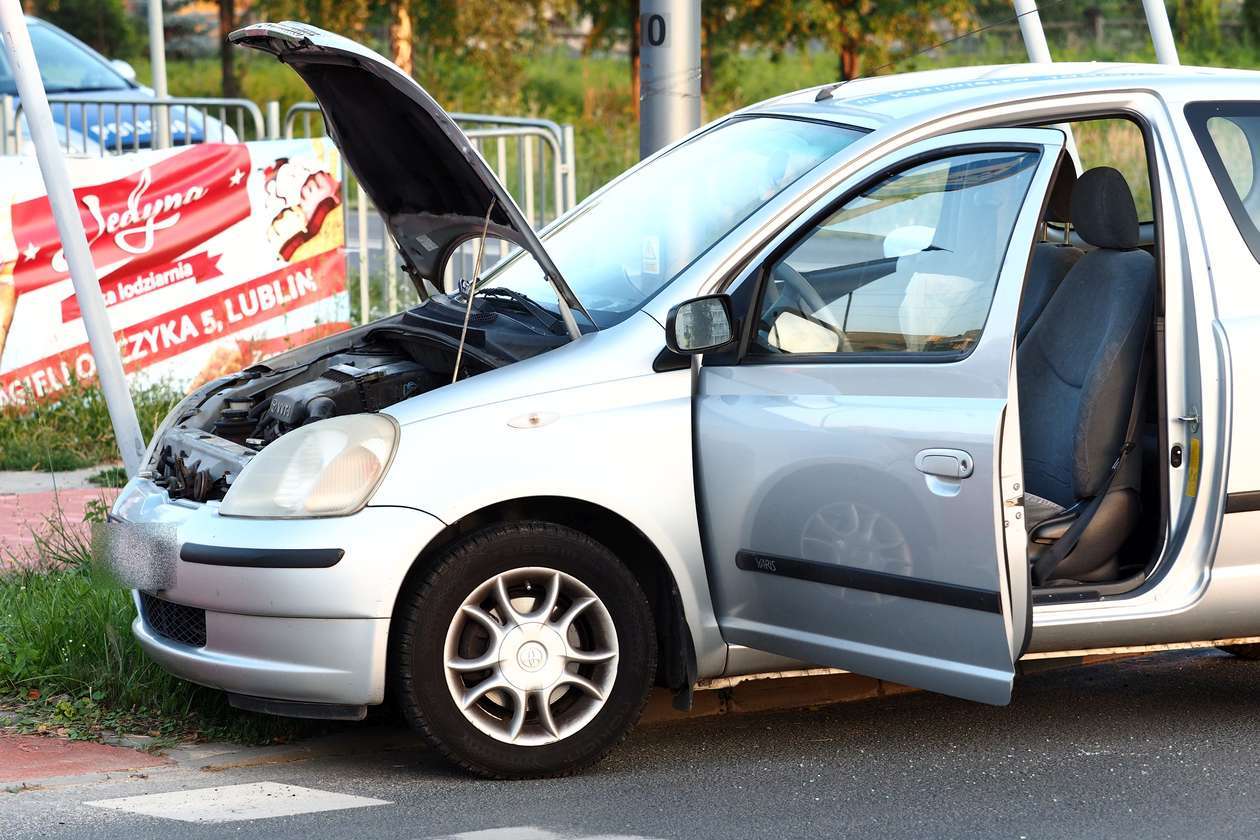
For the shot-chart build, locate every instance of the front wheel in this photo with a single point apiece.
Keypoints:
(528, 650)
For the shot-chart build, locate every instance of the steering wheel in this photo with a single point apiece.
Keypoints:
(805, 293)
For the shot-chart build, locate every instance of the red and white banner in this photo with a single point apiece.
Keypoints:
(210, 258)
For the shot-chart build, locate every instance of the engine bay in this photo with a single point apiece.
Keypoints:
(223, 424)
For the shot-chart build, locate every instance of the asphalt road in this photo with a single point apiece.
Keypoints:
(1164, 746)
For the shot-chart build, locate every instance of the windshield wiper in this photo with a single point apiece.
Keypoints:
(546, 318)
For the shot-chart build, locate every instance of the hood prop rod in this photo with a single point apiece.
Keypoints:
(472, 292)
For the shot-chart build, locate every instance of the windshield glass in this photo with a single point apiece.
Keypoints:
(63, 65)
(620, 248)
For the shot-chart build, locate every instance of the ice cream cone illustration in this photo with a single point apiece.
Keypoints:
(300, 196)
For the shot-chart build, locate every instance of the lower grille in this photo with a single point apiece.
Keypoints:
(186, 625)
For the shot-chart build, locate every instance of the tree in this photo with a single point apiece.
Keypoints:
(347, 17)
(726, 27)
(614, 22)
(489, 34)
(862, 32)
(1251, 19)
(227, 53)
(1198, 22)
(101, 23)
(401, 36)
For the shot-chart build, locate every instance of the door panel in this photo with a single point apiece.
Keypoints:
(850, 500)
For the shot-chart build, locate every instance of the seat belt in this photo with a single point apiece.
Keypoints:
(1050, 559)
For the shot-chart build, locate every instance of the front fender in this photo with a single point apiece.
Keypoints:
(623, 445)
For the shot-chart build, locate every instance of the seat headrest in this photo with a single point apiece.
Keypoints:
(1059, 208)
(1103, 211)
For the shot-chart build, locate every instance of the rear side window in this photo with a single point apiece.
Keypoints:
(1228, 134)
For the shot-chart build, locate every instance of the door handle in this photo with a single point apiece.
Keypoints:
(945, 463)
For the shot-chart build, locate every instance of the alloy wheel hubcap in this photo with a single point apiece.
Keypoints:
(531, 656)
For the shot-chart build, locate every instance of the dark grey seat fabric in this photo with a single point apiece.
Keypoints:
(1078, 372)
(1051, 261)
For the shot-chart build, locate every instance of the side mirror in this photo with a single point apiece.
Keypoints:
(124, 69)
(700, 325)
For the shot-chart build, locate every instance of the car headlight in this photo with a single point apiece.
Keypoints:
(329, 468)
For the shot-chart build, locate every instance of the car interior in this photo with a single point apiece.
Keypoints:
(1089, 372)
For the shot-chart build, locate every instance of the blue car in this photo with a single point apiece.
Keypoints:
(98, 105)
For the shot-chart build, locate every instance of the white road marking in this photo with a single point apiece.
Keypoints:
(529, 832)
(255, 801)
(520, 832)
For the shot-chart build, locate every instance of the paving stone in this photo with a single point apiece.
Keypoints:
(24, 515)
(26, 758)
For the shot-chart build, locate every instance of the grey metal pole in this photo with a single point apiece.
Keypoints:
(87, 288)
(8, 126)
(669, 72)
(1161, 31)
(570, 169)
(273, 120)
(1033, 33)
(157, 66)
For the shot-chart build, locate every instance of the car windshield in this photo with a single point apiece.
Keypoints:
(64, 66)
(621, 247)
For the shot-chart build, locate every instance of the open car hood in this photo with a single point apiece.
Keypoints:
(416, 164)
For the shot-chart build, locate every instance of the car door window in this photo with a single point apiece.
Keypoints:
(908, 265)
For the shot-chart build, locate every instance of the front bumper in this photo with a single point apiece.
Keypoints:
(317, 635)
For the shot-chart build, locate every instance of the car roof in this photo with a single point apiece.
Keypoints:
(876, 101)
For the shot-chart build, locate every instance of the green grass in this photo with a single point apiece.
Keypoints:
(109, 477)
(73, 430)
(69, 664)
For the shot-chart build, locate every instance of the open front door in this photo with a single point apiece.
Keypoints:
(849, 453)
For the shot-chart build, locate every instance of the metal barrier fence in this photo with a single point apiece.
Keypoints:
(535, 159)
(100, 125)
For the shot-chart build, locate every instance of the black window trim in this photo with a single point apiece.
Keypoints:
(754, 285)
(1197, 115)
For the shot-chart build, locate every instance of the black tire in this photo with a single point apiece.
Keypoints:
(428, 606)
(1251, 651)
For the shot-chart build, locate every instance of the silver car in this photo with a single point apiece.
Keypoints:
(876, 376)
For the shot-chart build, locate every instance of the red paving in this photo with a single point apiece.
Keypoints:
(24, 758)
(23, 515)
